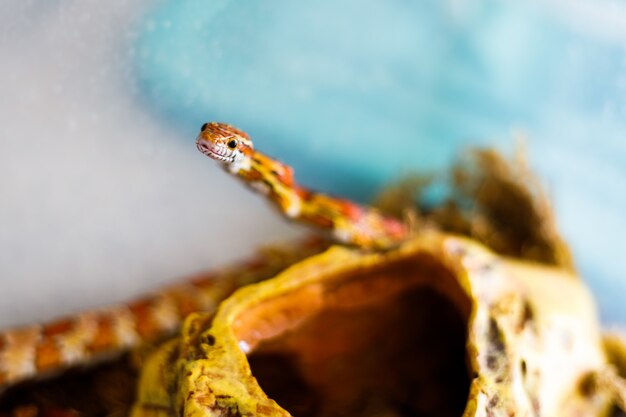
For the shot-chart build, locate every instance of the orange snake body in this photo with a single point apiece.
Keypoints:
(347, 222)
(89, 337)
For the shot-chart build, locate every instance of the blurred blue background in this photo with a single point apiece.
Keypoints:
(104, 195)
(355, 93)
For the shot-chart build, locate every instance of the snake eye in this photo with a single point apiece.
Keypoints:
(203, 127)
(232, 144)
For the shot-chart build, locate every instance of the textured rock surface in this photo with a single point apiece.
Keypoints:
(343, 333)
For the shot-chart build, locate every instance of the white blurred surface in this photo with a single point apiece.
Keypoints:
(99, 202)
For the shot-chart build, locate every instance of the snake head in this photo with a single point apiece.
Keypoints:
(225, 143)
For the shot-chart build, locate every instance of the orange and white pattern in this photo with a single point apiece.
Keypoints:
(348, 223)
(89, 337)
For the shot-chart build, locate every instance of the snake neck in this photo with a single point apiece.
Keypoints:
(346, 221)
(271, 178)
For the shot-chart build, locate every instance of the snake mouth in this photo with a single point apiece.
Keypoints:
(212, 153)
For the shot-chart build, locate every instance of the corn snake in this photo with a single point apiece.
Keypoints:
(347, 222)
(86, 338)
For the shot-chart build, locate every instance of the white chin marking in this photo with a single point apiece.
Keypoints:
(239, 165)
(220, 158)
(212, 153)
(215, 156)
